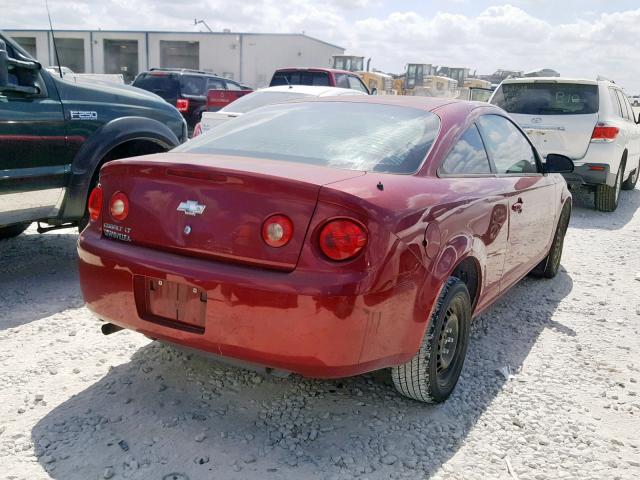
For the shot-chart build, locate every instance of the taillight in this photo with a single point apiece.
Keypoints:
(119, 206)
(342, 239)
(277, 230)
(604, 133)
(197, 130)
(182, 104)
(94, 205)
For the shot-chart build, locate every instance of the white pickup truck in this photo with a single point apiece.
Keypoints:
(266, 96)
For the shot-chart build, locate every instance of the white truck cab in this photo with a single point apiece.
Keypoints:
(590, 121)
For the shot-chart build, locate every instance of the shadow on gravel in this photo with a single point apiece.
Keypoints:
(39, 277)
(584, 215)
(167, 411)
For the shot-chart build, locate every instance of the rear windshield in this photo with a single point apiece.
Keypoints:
(352, 136)
(192, 85)
(320, 79)
(547, 98)
(165, 85)
(260, 99)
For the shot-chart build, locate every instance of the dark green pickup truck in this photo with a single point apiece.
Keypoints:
(55, 135)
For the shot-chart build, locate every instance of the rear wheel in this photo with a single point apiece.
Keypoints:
(431, 375)
(630, 183)
(11, 231)
(606, 197)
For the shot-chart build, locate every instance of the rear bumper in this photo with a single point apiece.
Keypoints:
(591, 174)
(314, 324)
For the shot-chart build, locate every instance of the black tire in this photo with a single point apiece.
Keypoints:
(630, 183)
(431, 375)
(606, 197)
(548, 268)
(11, 231)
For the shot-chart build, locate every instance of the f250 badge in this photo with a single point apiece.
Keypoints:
(191, 207)
(83, 115)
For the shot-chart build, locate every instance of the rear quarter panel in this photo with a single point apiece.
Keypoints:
(434, 224)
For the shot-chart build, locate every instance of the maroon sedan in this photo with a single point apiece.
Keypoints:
(328, 237)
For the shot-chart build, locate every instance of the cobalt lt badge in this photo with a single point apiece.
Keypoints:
(191, 207)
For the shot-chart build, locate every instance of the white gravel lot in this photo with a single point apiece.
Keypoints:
(75, 404)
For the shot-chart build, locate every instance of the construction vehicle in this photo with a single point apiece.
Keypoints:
(416, 76)
(350, 63)
(378, 83)
(476, 90)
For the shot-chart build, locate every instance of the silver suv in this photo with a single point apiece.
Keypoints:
(591, 122)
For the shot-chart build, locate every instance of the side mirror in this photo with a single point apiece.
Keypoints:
(558, 164)
(23, 76)
(374, 91)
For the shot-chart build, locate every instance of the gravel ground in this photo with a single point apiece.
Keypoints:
(77, 405)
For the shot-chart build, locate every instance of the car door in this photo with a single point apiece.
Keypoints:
(34, 158)
(529, 193)
(467, 170)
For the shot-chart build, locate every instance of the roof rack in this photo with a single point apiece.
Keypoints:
(181, 70)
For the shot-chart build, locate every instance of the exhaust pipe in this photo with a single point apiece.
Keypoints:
(109, 328)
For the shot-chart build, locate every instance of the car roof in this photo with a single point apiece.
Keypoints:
(183, 71)
(313, 69)
(315, 91)
(422, 103)
(583, 81)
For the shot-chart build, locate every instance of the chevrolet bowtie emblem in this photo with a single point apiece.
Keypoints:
(191, 207)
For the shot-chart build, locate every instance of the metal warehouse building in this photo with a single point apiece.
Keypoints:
(249, 58)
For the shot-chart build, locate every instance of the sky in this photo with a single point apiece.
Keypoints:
(579, 38)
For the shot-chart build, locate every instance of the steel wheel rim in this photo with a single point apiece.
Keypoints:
(448, 346)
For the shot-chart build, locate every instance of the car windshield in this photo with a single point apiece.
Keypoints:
(352, 136)
(260, 99)
(162, 84)
(540, 98)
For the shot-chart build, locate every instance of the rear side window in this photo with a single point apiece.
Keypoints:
(233, 86)
(615, 102)
(351, 136)
(547, 98)
(164, 85)
(192, 85)
(627, 111)
(215, 84)
(320, 79)
(509, 149)
(468, 156)
(342, 81)
(356, 84)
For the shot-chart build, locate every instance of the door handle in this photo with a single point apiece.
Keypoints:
(517, 206)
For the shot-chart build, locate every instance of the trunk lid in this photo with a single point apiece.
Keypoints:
(568, 135)
(213, 206)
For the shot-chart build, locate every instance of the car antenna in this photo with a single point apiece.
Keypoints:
(53, 37)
